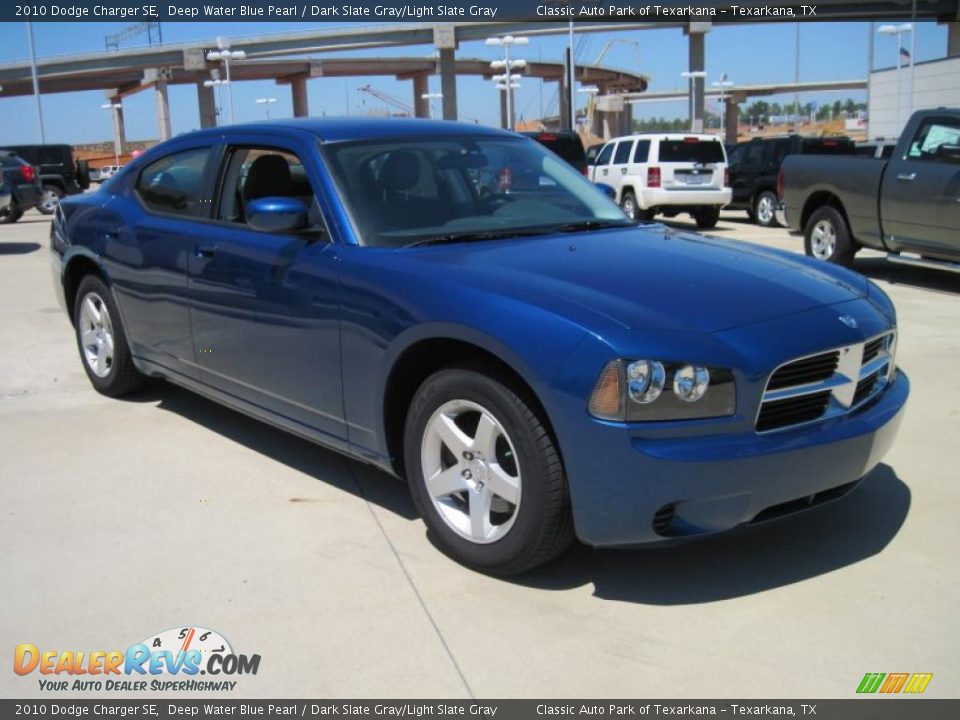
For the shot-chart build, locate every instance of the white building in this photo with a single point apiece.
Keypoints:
(935, 84)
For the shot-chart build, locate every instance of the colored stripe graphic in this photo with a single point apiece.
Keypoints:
(870, 682)
(894, 682)
(918, 682)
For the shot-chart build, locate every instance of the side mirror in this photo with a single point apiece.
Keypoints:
(607, 190)
(277, 214)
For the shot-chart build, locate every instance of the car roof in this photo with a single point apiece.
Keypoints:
(338, 129)
(667, 136)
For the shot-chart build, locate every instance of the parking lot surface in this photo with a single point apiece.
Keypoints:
(123, 518)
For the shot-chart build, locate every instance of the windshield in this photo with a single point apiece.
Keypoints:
(419, 190)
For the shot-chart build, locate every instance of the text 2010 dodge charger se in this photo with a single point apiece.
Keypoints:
(535, 364)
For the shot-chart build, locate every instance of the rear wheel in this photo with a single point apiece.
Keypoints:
(707, 217)
(485, 473)
(102, 342)
(629, 204)
(11, 213)
(827, 237)
(51, 198)
(765, 209)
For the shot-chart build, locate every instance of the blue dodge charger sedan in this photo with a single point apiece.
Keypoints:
(458, 306)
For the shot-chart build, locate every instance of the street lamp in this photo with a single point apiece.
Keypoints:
(692, 76)
(723, 84)
(507, 65)
(115, 110)
(215, 82)
(898, 30)
(225, 55)
(430, 97)
(266, 102)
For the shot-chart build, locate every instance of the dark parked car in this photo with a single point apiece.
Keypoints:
(6, 196)
(754, 166)
(567, 145)
(60, 174)
(592, 152)
(908, 206)
(537, 366)
(23, 180)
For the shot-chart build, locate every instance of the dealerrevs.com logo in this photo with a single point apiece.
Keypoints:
(169, 661)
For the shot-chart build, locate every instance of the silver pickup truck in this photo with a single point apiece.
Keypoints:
(908, 206)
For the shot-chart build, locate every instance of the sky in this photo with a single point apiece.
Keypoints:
(748, 54)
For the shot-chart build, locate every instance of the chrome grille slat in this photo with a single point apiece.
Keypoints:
(825, 384)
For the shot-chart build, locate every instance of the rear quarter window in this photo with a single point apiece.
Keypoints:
(701, 151)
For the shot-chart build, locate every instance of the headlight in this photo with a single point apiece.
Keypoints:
(650, 390)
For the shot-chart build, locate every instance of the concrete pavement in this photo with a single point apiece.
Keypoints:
(122, 518)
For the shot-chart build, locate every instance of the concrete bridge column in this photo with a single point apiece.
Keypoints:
(298, 89)
(448, 83)
(208, 106)
(119, 128)
(163, 108)
(953, 39)
(421, 107)
(696, 33)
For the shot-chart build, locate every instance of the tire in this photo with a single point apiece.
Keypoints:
(628, 203)
(707, 217)
(11, 213)
(51, 197)
(501, 443)
(827, 237)
(112, 374)
(765, 209)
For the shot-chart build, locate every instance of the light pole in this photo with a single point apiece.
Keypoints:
(430, 97)
(266, 102)
(36, 83)
(898, 30)
(504, 82)
(114, 109)
(215, 82)
(225, 55)
(691, 75)
(723, 84)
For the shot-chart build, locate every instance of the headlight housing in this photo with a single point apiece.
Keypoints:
(646, 390)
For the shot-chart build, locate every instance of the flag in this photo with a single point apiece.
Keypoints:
(905, 55)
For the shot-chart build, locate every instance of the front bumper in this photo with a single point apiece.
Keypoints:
(697, 485)
(660, 197)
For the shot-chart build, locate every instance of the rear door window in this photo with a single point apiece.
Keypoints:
(622, 155)
(691, 151)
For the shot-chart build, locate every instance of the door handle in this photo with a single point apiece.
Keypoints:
(606, 172)
(623, 171)
(205, 251)
(907, 177)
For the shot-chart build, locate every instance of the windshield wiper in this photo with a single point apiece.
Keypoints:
(592, 225)
(476, 236)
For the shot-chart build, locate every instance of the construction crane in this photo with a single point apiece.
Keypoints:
(150, 28)
(406, 110)
(611, 43)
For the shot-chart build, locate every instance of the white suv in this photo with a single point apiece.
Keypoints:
(667, 173)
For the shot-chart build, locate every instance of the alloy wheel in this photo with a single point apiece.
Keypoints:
(471, 471)
(96, 335)
(823, 240)
(765, 210)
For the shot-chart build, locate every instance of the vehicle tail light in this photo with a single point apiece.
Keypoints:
(28, 173)
(653, 177)
(586, 171)
(726, 177)
(505, 180)
(780, 184)
(691, 140)
(547, 137)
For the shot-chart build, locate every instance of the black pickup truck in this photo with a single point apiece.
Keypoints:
(60, 173)
(907, 206)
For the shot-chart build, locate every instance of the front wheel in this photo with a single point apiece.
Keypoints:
(765, 209)
(485, 473)
(51, 198)
(102, 341)
(827, 237)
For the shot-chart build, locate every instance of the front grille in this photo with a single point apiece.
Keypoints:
(808, 370)
(864, 389)
(873, 348)
(827, 384)
(792, 411)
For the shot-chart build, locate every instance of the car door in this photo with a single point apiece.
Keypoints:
(266, 305)
(743, 179)
(147, 239)
(601, 171)
(620, 165)
(920, 193)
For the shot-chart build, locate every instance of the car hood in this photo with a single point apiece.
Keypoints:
(646, 277)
